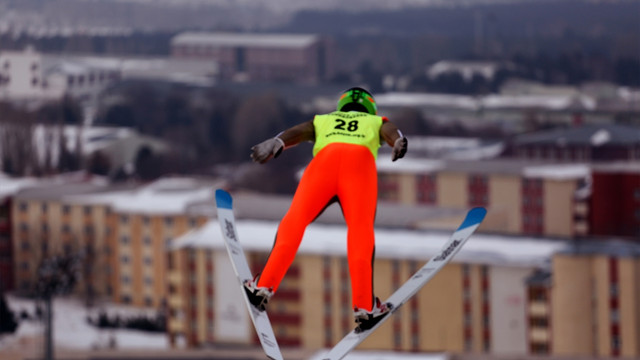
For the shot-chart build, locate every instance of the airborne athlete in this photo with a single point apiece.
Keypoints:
(343, 169)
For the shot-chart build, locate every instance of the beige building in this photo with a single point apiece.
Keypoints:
(475, 304)
(592, 305)
(522, 197)
(46, 225)
(120, 235)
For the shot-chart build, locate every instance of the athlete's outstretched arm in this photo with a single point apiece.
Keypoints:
(297, 134)
(292, 136)
(394, 137)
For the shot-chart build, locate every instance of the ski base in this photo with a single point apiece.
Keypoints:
(224, 204)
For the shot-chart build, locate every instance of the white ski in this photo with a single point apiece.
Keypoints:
(416, 282)
(261, 322)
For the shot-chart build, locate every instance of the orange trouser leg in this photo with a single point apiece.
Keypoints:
(347, 171)
(316, 188)
(358, 193)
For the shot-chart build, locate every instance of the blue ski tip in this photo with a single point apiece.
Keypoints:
(223, 199)
(474, 217)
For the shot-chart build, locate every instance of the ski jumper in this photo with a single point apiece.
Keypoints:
(344, 169)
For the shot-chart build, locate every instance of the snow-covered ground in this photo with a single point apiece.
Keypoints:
(72, 331)
(384, 355)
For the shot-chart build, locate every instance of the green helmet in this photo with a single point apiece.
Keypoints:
(357, 99)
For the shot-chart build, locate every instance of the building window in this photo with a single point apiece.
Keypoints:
(124, 240)
(124, 219)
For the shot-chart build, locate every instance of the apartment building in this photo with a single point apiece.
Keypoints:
(530, 198)
(45, 225)
(6, 247)
(298, 58)
(120, 233)
(589, 302)
(475, 304)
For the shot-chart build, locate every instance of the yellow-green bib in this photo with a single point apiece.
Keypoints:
(347, 127)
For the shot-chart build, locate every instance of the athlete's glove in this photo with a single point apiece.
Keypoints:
(267, 149)
(399, 148)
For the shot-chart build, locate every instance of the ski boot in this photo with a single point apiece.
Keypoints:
(368, 319)
(258, 296)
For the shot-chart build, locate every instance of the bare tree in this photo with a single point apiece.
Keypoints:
(16, 141)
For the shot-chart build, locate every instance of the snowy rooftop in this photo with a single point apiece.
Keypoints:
(165, 196)
(401, 244)
(554, 102)
(9, 186)
(234, 39)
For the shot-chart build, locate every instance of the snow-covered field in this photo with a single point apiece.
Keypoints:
(72, 331)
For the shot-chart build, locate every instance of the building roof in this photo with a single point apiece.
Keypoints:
(627, 167)
(390, 243)
(244, 39)
(610, 247)
(57, 189)
(554, 102)
(525, 168)
(588, 135)
(272, 207)
(540, 277)
(166, 196)
(10, 186)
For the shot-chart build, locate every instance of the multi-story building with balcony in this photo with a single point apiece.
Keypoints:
(45, 225)
(475, 304)
(121, 234)
(530, 198)
(501, 295)
(8, 188)
(588, 303)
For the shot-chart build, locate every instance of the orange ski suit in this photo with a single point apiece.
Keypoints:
(343, 169)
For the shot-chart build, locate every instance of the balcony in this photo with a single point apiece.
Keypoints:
(539, 335)
(538, 309)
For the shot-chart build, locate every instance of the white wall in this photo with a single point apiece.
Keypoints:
(24, 73)
(232, 323)
(508, 310)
